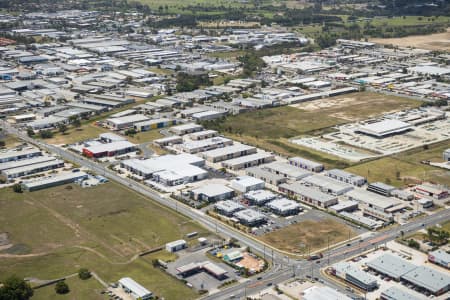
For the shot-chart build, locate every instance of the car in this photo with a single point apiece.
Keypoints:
(348, 245)
(269, 284)
(259, 278)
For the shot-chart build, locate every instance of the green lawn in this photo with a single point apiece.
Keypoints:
(79, 289)
(101, 228)
(407, 165)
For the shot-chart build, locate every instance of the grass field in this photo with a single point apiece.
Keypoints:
(271, 128)
(73, 135)
(79, 289)
(10, 141)
(308, 236)
(407, 165)
(56, 231)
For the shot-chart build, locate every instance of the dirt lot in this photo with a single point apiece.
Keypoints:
(308, 235)
(437, 41)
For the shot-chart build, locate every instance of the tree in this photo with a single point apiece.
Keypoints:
(46, 134)
(413, 244)
(62, 288)
(75, 121)
(62, 128)
(17, 188)
(84, 274)
(30, 132)
(15, 288)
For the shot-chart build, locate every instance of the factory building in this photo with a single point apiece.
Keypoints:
(212, 193)
(440, 257)
(306, 164)
(250, 217)
(226, 153)
(286, 170)
(205, 145)
(308, 195)
(266, 176)
(395, 293)
(327, 184)
(245, 184)
(391, 265)
(259, 197)
(109, 149)
(186, 128)
(228, 207)
(176, 246)
(247, 161)
(153, 124)
(13, 155)
(355, 276)
(431, 191)
(346, 177)
(32, 169)
(134, 289)
(381, 188)
(125, 122)
(284, 207)
(60, 179)
(384, 128)
(428, 279)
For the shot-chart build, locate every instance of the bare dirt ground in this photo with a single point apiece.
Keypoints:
(437, 41)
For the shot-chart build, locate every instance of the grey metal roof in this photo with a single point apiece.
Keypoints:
(391, 265)
(349, 269)
(395, 293)
(428, 278)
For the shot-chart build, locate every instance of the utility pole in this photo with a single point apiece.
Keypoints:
(328, 249)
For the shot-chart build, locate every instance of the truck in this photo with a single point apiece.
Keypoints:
(315, 256)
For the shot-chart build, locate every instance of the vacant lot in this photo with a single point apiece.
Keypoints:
(406, 167)
(73, 135)
(308, 236)
(437, 41)
(271, 128)
(79, 289)
(54, 232)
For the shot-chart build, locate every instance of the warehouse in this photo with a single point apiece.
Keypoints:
(440, 257)
(14, 155)
(245, 184)
(109, 137)
(212, 193)
(395, 293)
(286, 170)
(347, 206)
(125, 122)
(308, 195)
(284, 207)
(201, 135)
(226, 153)
(391, 265)
(327, 184)
(153, 124)
(250, 217)
(266, 176)
(384, 128)
(228, 207)
(205, 145)
(186, 128)
(323, 293)
(208, 115)
(346, 177)
(109, 149)
(259, 197)
(431, 191)
(25, 162)
(381, 188)
(355, 276)
(372, 200)
(367, 222)
(429, 280)
(168, 169)
(176, 246)
(101, 102)
(206, 266)
(43, 183)
(47, 122)
(134, 289)
(248, 161)
(32, 169)
(306, 164)
(167, 141)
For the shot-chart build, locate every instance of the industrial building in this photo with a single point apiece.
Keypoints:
(205, 266)
(205, 145)
(440, 257)
(372, 200)
(204, 134)
(346, 177)
(125, 122)
(391, 265)
(259, 197)
(14, 155)
(153, 124)
(381, 188)
(32, 169)
(431, 191)
(228, 207)
(25, 162)
(429, 279)
(355, 276)
(347, 206)
(212, 193)
(186, 128)
(226, 153)
(308, 195)
(109, 149)
(248, 161)
(134, 289)
(109, 137)
(395, 293)
(167, 141)
(446, 155)
(367, 222)
(384, 128)
(169, 169)
(286, 170)
(266, 176)
(327, 184)
(250, 217)
(284, 207)
(176, 246)
(60, 179)
(323, 293)
(245, 184)
(306, 164)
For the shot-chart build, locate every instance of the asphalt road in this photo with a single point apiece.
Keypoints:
(282, 268)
